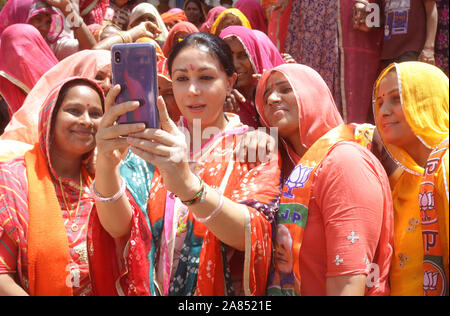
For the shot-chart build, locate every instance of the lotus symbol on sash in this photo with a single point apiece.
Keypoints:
(297, 179)
(426, 203)
(430, 280)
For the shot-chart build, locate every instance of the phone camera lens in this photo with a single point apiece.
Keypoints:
(117, 57)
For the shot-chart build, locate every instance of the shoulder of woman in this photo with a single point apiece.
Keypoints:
(350, 160)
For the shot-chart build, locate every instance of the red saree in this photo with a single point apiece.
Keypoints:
(171, 253)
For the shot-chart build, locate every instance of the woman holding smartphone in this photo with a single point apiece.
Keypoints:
(207, 227)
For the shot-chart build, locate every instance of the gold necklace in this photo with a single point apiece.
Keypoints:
(74, 226)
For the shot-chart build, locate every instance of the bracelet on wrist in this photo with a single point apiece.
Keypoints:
(213, 214)
(200, 195)
(123, 37)
(99, 198)
(126, 37)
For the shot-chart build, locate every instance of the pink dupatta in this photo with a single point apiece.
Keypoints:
(213, 14)
(14, 11)
(253, 10)
(24, 58)
(260, 50)
(262, 54)
(317, 111)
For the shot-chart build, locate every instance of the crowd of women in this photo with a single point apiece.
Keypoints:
(265, 177)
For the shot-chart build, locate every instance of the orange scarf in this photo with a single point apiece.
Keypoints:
(48, 245)
(294, 204)
(435, 280)
(47, 260)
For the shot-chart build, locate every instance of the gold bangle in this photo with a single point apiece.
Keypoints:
(128, 36)
(123, 38)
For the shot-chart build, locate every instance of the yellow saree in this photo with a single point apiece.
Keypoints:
(424, 93)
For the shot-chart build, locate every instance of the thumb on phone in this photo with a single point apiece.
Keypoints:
(164, 119)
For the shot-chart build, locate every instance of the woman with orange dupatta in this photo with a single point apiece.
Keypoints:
(172, 17)
(335, 222)
(207, 228)
(44, 198)
(411, 111)
(177, 33)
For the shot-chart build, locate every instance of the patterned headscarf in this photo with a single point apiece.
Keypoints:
(21, 11)
(57, 26)
(48, 110)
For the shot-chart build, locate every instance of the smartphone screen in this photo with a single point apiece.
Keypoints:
(134, 68)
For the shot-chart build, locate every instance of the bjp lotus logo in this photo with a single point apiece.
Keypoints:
(297, 179)
(434, 283)
(426, 203)
(430, 280)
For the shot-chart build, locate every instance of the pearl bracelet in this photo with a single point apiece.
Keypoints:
(213, 213)
(99, 198)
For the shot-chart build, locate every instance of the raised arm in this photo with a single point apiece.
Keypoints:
(115, 216)
(144, 29)
(85, 38)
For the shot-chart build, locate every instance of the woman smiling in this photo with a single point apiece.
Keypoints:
(207, 228)
(411, 111)
(55, 173)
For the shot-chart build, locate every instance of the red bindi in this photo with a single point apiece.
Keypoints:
(192, 67)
